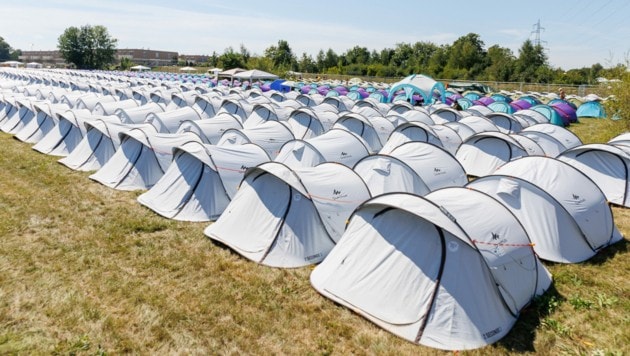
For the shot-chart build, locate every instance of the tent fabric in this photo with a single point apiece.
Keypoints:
(270, 135)
(530, 145)
(577, 193)
(66, 135)
(411, 131)
(591, 109)
(210, 130)
(108, 108)
(434, 270)
(531, 116)
(553, 139)
(565, 110)
(445, 114)
(98, 145)
(141, 159)
(305, 124)
(24, 114)
(552, 115)
(479, 110)
(336, 145)
(483, 153)
(294, 217)
(608, 166)
(419, 116)
(137, 115)
(506, 123)
(169, 121)
(260, 113)
(501, 107)
(44, 121)
(374, 130)
(201, 180)
(414, 167)
(554, 232)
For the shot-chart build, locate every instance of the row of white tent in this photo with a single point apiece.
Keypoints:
(373, 193)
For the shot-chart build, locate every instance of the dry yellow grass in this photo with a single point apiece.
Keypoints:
(85, 269)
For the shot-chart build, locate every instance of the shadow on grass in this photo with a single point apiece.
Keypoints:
(522, 336)
(609, 252)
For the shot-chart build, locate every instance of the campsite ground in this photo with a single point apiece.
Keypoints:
(85, 269)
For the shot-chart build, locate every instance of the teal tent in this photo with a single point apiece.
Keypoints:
(422, 85)
(591, 109)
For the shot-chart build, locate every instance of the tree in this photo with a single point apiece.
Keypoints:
(466, 58)
(281, 56)
(307, 64)
(500, 64)
(5, 50)
(231, 59)
(87, 47)
(531, 57)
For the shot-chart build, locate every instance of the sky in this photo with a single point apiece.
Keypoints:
(576, 34)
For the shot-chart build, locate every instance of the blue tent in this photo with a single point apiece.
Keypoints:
(277, 85)
(501, 106)
(551, 114)
(591, 109)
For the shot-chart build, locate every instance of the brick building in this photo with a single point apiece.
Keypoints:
(145, 57)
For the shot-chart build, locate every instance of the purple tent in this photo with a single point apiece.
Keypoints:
(520, 105)
(565, 110)
(452, 98)
(341, 90)
(486, 100)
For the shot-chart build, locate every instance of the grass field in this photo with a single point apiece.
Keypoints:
(85, 269)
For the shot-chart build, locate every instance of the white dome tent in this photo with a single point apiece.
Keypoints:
(141, 159)
(201, 180)
(66, 135)
(506, 123)
(169, 121)
(577, 194)
(552, 229)
(552, 138)
(99, 144)
(607, 165)
(481, 154)
(305, 124)
(335, 145)
(137, 115)
(374, 130)
(435, 270)
(294, 217)
(270, 135)
(44, 121)
(24, 114)
(211, 130)
(410, 131)
(109, 108)
(413, 167)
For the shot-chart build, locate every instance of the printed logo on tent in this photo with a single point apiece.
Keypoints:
(338, 194)
(577, 199)
(345, 155)
(491, 333)
(453, 246)
(244, 168)
(437, 171)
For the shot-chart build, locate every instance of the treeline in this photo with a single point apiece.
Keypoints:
(465, 59)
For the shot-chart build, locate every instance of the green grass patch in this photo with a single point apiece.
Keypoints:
(87, 270)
